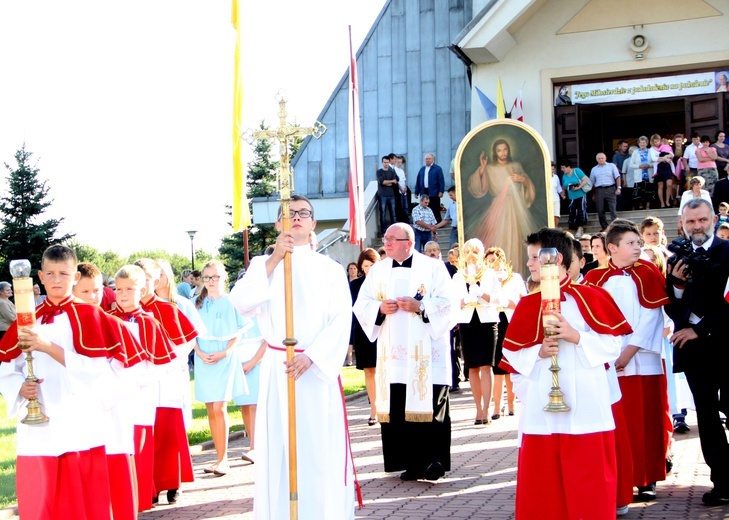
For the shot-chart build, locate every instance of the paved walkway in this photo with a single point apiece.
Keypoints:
(480, 485)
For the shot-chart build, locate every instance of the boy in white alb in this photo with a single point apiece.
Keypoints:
(639, 289)
(172, 461)
(322, 322)
(157, 372)
(567, 465)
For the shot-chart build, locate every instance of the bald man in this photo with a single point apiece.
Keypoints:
(606, 179)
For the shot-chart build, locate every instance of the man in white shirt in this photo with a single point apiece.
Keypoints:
(690, 161)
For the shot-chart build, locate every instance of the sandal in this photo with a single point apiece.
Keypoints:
(372, 421)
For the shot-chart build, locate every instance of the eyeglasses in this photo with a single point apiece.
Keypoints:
(213, 278)
(303, 213)
(393, 239)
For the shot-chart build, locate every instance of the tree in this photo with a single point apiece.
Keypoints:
(110, 262)
(261, 182)
(24, 233)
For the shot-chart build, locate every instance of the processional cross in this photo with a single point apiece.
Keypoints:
(285, 180)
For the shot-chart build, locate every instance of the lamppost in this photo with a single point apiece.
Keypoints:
(191, 234)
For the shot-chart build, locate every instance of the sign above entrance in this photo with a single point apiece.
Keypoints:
(641, 88)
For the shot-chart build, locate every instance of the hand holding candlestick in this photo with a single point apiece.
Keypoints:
(549, 274)
(25, 307)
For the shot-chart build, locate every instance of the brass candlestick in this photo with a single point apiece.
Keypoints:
(25, 308)
(549, 275)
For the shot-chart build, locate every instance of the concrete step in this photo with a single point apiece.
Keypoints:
(669, 217)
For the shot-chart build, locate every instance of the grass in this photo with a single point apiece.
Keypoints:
(200, 430)
(352, 381)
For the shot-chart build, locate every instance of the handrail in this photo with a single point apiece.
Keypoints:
(339, 234)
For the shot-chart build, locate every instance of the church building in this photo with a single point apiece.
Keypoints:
(590, 72)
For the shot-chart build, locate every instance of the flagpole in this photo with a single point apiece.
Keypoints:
(516, 98)
(357, 224)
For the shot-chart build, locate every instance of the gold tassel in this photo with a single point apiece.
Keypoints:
(418, 417)
(383, 417)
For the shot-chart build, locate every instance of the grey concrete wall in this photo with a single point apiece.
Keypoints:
(414, 98)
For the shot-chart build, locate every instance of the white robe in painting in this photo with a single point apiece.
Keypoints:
(401, 331)
(322, 322)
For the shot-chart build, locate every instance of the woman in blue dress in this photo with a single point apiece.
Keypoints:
(218, 374)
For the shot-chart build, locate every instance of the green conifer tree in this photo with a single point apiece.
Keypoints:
(24, 233)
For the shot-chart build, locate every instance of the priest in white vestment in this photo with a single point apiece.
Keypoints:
(322, 322)
(404, 304)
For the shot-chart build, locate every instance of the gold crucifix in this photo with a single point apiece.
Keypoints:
(285, 179)
(283, 134)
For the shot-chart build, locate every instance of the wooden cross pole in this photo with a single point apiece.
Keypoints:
(285, 179)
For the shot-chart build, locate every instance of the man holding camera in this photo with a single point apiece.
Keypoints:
(697, 285)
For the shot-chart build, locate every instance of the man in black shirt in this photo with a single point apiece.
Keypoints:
(386, 186)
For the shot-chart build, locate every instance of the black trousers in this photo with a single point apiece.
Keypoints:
(415, 446)
(707, 380)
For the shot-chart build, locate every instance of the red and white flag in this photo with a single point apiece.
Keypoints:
(726, 292)
(517, 112)
(357, 224)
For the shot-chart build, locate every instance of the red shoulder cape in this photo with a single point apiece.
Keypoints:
(596, 305)
(95, 334)
(648, 279)
(151, 336)
(178, 328)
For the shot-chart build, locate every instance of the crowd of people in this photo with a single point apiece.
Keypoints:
(636, 335)
(425, 215)
(655, 173)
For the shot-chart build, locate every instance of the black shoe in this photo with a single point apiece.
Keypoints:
(478, 421)
(715, 498)
(455, 388)
(173, 495)
(434, 471)
(647, 493)
(411, 475)
(680, 426)
(669, 464)
(155, 500)
(496, 416)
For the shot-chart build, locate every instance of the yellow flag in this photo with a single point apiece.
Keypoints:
(241, 212)
(500, 111)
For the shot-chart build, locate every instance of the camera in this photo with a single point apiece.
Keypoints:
(683, 249)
